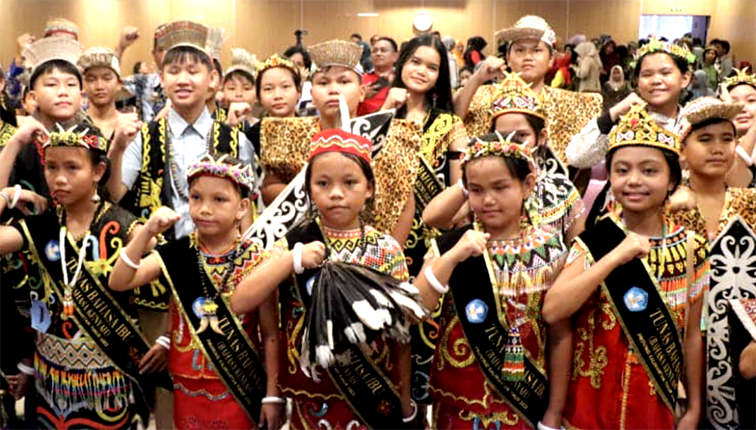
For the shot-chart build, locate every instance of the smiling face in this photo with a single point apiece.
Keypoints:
(188, 82)
(531, 58)
(745, 95)
(420, 72)
(660, 81)
(101, 85)
(70, 174)
(640, 178)
(339, 188)
(57, 95)
(278, 92)
(216, 206)
(384, 55)
(709, 151)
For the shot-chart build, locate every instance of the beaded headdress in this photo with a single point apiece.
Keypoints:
(337, 140)
(243, 61)
(76, 136)
(276, 61)
(337, 53)
(638, 128)
(61, 27)
(528, 27)
(99, 57)
(513, 94)
(51, 48)
(207, 165)
(703, 109)
(182, 33)
(741, 77)
(656, 45)
(495, 144)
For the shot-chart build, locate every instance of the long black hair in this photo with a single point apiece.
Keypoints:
(440, 96)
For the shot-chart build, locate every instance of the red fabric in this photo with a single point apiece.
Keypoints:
(340, 141)
(563, 63)
(192, 409)
(475, 57)
(625, 398)
(374, 103)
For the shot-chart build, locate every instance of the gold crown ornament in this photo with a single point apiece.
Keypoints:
(99, 57)
(276, 60)
(61, 27)
(182, 33)
(207, 165)
(242, 61)
(495, 144)
(741, 77)
(51, 48)
(513, 94)
(528, 27)
(337, 53)
(79, 135)
(655, 45)
(704, 109)
(638, 128)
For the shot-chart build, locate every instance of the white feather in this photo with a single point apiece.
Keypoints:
(367, 314)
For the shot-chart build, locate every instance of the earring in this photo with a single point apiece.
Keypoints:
(96, 197)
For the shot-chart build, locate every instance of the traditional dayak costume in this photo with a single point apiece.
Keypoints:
(628, 336)
(88, 345)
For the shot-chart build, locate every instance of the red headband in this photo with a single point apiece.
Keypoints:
(336, 140)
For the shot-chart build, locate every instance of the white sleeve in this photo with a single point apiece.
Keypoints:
(132, 162)
(587, 148)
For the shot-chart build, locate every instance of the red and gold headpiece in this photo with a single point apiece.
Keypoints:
(336, 140)
(80, 135)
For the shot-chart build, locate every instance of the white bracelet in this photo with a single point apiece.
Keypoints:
(273, 400)
(164, 341)
(461, 184)
(542, 426)
(127, 260)
(26, 370)
(412, 416)
(744, 155)
(298, 269)
(433, 281)
(6, 198)
(16, 195)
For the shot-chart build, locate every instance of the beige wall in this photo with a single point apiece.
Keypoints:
(267, 26)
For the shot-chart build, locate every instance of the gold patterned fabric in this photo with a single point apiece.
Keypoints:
(738, 201)
(285, 145)
(567, 112)
(6, 132)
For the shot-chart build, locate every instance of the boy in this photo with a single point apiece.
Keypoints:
(102, 82)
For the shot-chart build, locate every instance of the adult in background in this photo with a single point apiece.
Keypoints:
(474, 53)
(377, 82)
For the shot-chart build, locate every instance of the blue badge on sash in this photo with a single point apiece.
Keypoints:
(52, 250)
(198, 306)
(636, 299)
(476, 311)
(40, 316)
(308, 285)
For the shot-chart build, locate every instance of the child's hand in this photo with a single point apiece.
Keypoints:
(156, 360)
(313, 255)
(472, 244)
(31, 130)
(238, 112)
(396, 98)
(26, 198)
(682, 199)
(161, 220)
(126, 129)
(634, 246)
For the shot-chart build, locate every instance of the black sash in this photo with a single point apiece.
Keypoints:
(488, 337)
(361, 382)
(234, 357)
(641, 310)
(427, 185)
(100, 316)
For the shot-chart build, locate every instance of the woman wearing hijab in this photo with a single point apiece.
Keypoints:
(616, 88)
(698, 87)
(589, 68)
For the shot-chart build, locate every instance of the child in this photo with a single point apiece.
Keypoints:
(498, 257)
(741, 88)
(709, 142)
(341, 184)
(211, 390)
(91, 363)
(102, 82)
(278, 86)
(238, 88)
(633, 286)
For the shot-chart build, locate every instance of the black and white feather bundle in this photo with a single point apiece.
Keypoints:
(355, 304)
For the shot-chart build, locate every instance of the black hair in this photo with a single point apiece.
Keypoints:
(218, 67)
(737, 84)
(466, 69)
(241, 73)
(182, 54)
(295, 76)
(357, 36)
(711, 121)
(231, 161)
(723, 43)
(391, 42)
(48, 66)
(536, 123)
(367, 170)
(681, 63)
(297, 49)
(440, 96)
(672, 159)
(137, 66)
(548, 46)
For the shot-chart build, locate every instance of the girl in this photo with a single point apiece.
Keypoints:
(709, 142)
(662, 71)
(210, 389)
(741, 88)
(422, 93)
(637, 336)
(91, 362)
(341, 184)
(517, 109)
(498, 270)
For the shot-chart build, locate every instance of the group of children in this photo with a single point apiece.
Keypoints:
(535, 318)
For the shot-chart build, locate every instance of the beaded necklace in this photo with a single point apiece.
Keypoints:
(209, 308)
